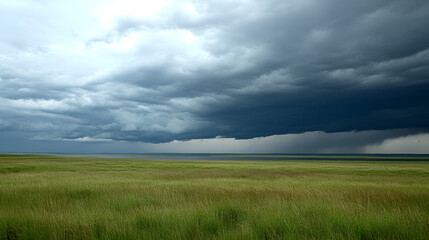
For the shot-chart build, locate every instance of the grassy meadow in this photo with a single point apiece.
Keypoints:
(51, 197)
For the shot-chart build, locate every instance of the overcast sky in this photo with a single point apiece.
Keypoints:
(214, 76)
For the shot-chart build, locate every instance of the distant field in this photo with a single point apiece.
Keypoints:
(52, 197)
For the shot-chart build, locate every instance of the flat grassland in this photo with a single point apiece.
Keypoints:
(50, 197)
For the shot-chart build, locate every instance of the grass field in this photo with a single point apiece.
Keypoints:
(48, 197)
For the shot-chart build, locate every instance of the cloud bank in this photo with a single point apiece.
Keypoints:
(139, 71)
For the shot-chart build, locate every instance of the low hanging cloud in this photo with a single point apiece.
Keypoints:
(374, 141)
(182, 70)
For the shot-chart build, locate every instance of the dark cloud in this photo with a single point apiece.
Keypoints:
(217, 68)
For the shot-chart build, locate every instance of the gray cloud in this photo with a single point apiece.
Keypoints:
(387, 141)
(197, 70)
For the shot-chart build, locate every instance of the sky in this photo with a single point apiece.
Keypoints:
(244, 76)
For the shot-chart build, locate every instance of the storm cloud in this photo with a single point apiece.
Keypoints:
(135, 71)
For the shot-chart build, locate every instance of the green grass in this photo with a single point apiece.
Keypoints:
(48, 197)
